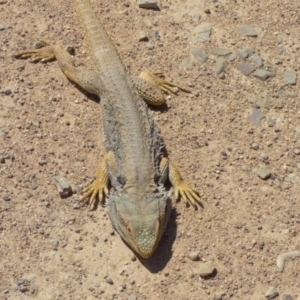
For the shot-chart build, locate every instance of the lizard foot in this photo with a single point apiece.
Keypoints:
(43, 54)
(189, 194)
(166, 86)
(96, 190)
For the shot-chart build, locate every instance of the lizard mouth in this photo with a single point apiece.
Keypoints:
(146, 253)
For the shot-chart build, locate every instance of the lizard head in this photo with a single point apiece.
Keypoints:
(140, 220)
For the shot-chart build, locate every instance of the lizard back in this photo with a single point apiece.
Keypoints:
(129, 128)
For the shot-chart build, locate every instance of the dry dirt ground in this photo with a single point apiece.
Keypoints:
(53, 248)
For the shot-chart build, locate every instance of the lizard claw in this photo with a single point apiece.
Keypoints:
(189, 194)
(96, 190)
(43, 54)
(166, 86)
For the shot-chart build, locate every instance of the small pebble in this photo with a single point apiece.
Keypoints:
(256, 60)
(246, 68)
(222, 75)
(6, 198)
(150, 46)
(63, 186)
(221, 64)
(197, 17)
(54, 243)
(120, 289)
(205, 269)
(133, 258)
(297, 151)
(264, 173)
(247, 30)
(187, 63)
(34, 185)
(7, 91)
(244, 52)
(286, 297)
(256, 116)
(220, 51)
(143, 36)
(271, 293)
(194, 256)
(263, 74)
(287, 94)
(148, 4)
(289, 77)
(38, 44)
(203, 32)
(199, 54)
(76, 205)
(109, 280)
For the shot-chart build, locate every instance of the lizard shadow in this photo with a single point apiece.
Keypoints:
(161, 108)
(163, 252)
(89, 96)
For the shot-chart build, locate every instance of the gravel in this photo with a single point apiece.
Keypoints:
(289, 77)
(221, 64)
(220, 51)
(63, 186)
(143, 36)
(194, 256)
(256, 60)
(203, 33)
(246, 68)
(263, 74)
(148, 4)
(271, 293)
(205, 269)
(247, 30)
(286, 297)
(264, 173)
(199, 54)
(109, 280)
(244, 52)
(187, 63)
(256, 116)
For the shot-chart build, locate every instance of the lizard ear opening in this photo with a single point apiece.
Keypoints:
(128, 227)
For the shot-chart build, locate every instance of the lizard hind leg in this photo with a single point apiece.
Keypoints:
(86, 79)
(151, 87)
(156, 79)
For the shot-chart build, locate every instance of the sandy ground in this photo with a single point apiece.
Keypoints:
(52, 248)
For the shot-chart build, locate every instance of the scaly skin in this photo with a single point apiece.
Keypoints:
(135, 166)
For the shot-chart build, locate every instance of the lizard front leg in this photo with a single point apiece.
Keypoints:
(182, 189)
(152, 87)
(86, 79)
(98, 189)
